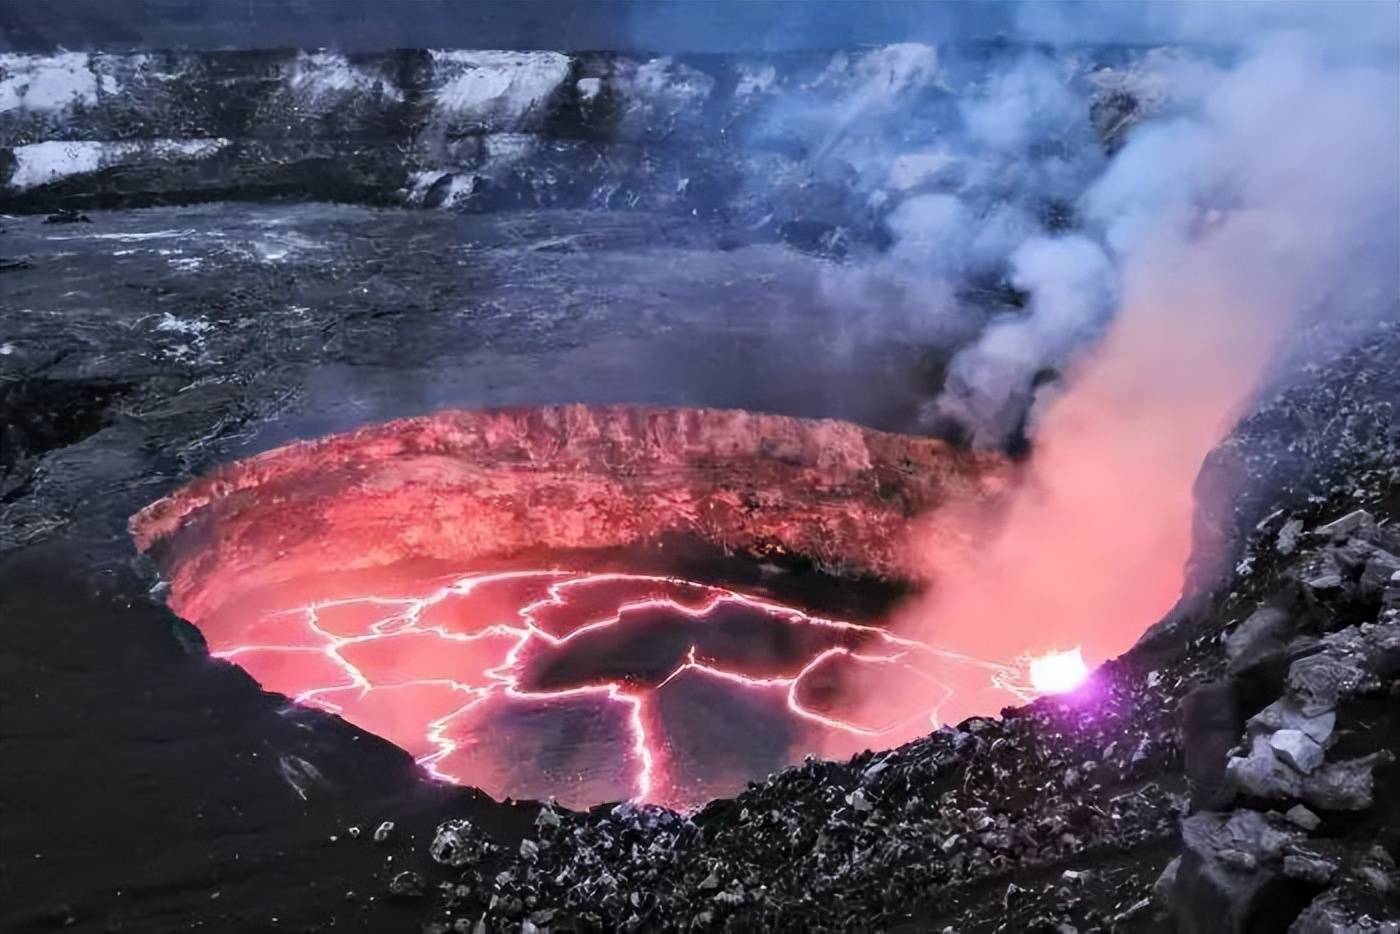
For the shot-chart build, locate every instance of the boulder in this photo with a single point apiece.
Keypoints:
(1320, 573)
(1344, 910)
(1345, 786)
(458, 843)
(1301, 817)
(1262, 774)
(1308, 868)
(1297, 749)
(1165, 885)
(1210, 728)
(1288, 536)
(1284, 714)
(1265, 632)
(1320, 681)
(1231, 877)
(1335, 786)
(1380, 576)
(1357, 521)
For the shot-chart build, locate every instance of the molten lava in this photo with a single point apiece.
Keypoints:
(406, 577)
(588, 687)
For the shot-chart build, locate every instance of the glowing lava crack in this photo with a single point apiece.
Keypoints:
(588, 687)
(365, 573)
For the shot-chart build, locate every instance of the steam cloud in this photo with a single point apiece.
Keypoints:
(1255, 213)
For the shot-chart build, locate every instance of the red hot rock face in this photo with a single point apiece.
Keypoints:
(394, 577)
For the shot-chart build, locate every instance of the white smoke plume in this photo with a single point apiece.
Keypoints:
(1139, 301)
(1010, 228)
(1264, 211)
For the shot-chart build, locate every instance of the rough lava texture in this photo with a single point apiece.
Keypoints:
(467, 487)
(424, 579)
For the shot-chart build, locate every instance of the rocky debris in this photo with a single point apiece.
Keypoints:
(1297, 749)
(1231, 871)
(1128, 94)
(1286, 714)
(460, 843)
(1300, 816)
(1287, 541)
(1357, 523)
(1289, 764)
(1260, 639)
(1352, 906)
(406, 884)
(1309, 869)
(839, 846)
(1342, 654)
(1319, 449)
(67, 216)
(908, 836)
(1287, 742)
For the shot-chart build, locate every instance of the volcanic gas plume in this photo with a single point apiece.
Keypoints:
(1259, 219)
(450, 584)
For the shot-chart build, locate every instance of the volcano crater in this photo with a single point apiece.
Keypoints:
(585, 603)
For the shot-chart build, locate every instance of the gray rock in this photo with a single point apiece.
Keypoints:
(1350, 524)
(1133, 912)
(1237, 859)
(1336, 786)
(407, 884)
(1320, 681)
(1331, 913)
(1262, 774)
(1229, 866)
(1305, 867)
(1284, 714)
(1288, 536)
(1353, 555)
(1344, 786)
(1320, 573)
(1210, 727)
(1166, 882)
(1266, 630)
(1297, 749)
(1299, 816)
(458, 843)
(1381, 575)
(1380, 881)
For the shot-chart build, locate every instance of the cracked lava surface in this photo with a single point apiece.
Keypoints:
(589, 687)
(407, 577)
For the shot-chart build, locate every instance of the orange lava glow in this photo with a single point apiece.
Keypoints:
(400, 576)
(590, 687)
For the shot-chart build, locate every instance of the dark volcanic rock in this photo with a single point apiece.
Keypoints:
(67, 217)
(460, 843)
(1232, 877)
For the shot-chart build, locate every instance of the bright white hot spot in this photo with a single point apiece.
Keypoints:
(1057, 672)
